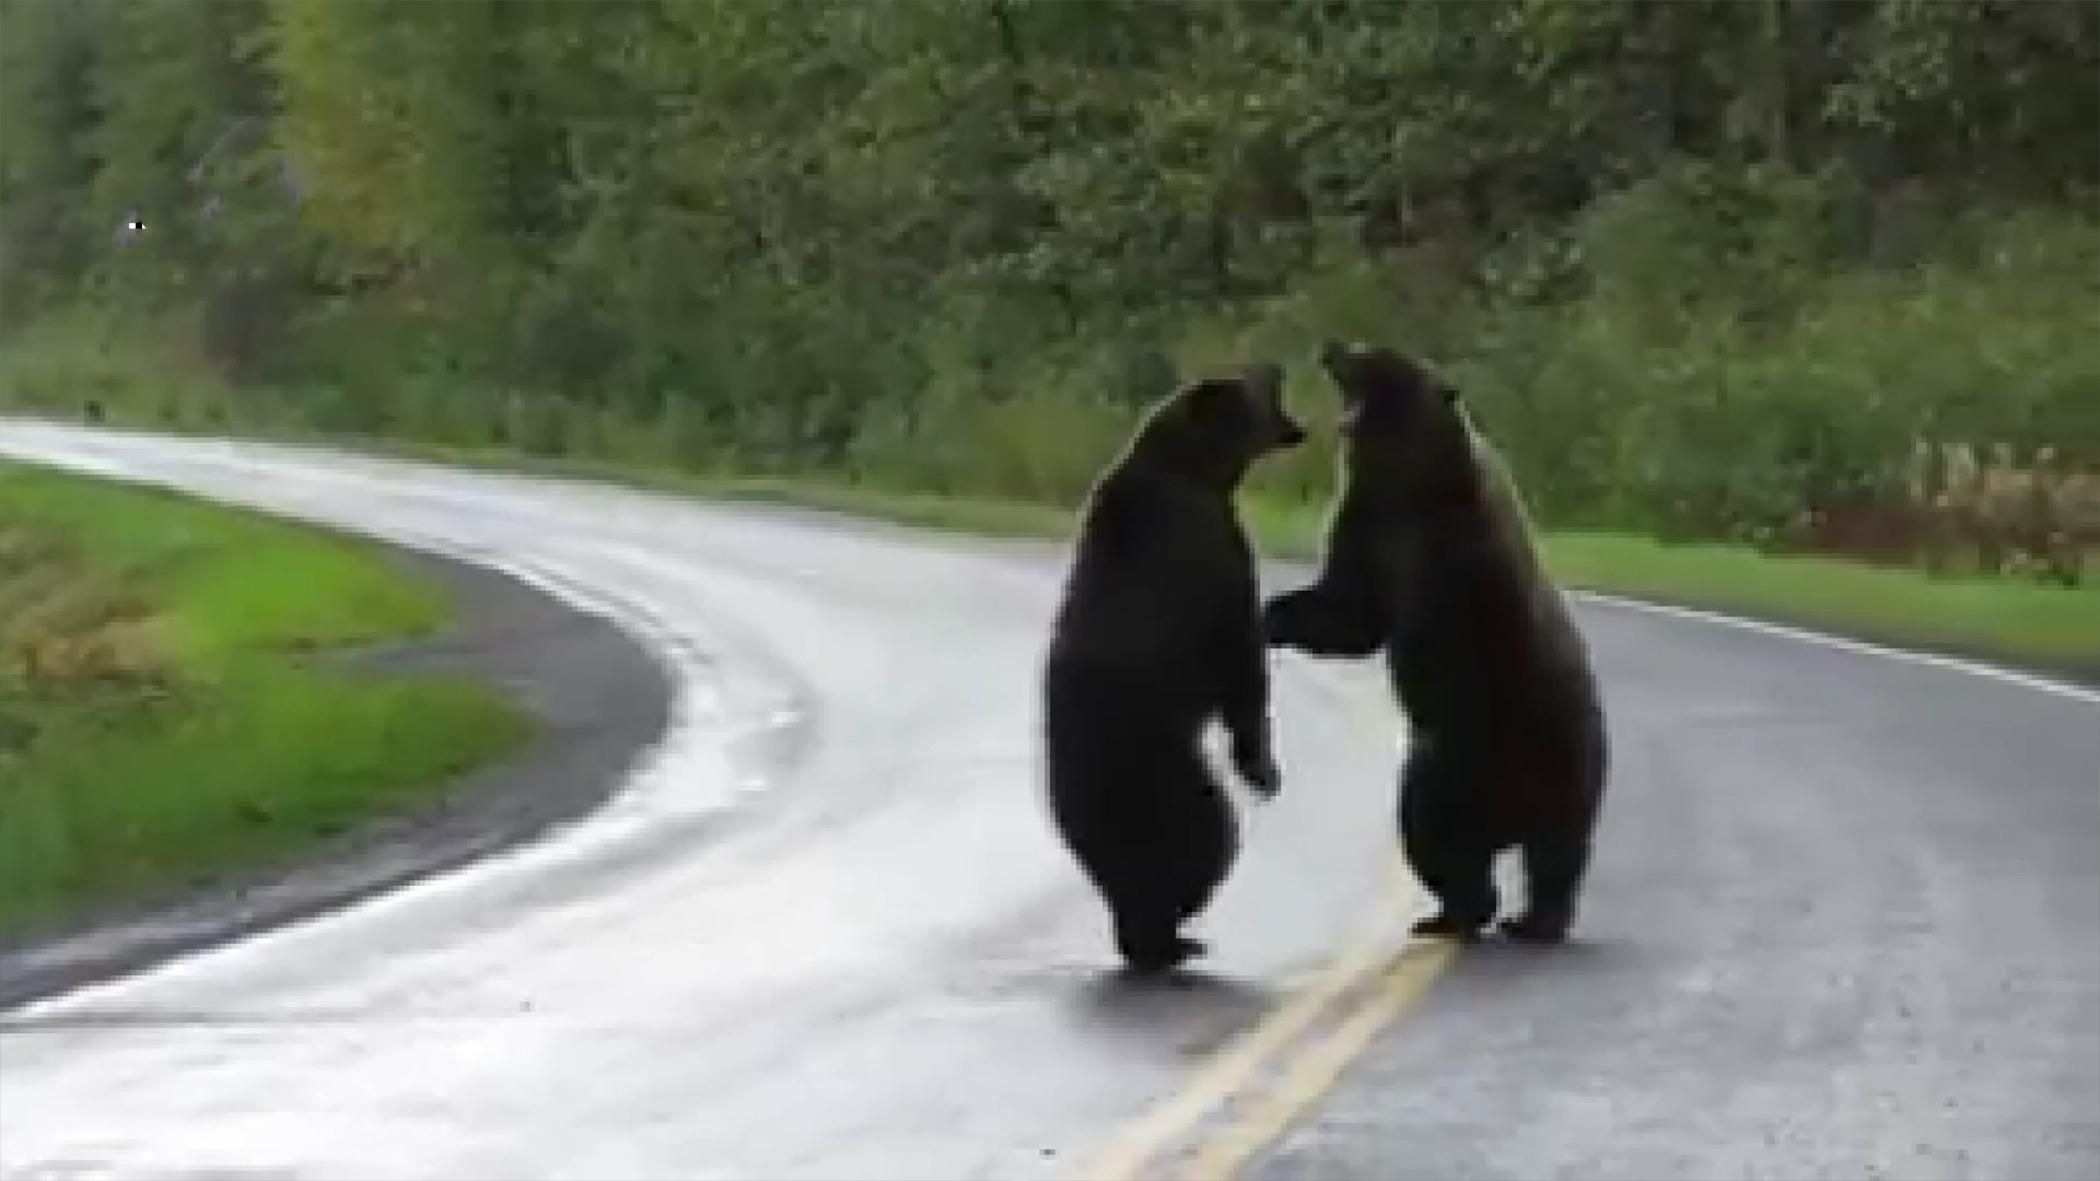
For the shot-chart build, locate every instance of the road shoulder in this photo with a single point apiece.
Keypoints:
(598, 699)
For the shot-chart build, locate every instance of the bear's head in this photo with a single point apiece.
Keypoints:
(1399, 420)
(1215, 427)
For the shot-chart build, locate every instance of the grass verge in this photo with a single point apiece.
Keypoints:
(2025, 623)
(172, 698)
(2050, 628)
(2053, 628)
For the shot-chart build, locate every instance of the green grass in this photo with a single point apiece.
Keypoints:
(169, 708)
(2011, 620)
(2018, 621)
(2000, 618)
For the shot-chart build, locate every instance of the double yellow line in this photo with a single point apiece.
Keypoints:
(1258, 1082)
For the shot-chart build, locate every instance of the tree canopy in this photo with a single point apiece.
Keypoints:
(801, 225)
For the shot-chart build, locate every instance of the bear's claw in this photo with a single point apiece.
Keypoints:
(1443, 923)
(1164, 957)
(1532, 928)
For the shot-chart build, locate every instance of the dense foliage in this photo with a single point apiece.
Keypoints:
(1777, 269)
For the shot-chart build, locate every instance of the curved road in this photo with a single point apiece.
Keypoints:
(1843, 922)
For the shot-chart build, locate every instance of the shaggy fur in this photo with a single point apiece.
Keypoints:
(1158, 632)
(1429, 557)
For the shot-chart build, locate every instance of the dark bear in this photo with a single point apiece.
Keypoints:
(1429, 555)
(1158, 632)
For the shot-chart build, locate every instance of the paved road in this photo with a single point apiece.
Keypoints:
(1843, 918)
(1845, 928)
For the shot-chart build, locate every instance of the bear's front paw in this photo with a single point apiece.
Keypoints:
(1258, 767)
(1280, 620)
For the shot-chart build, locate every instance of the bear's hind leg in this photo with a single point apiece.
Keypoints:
(1146, 920)
(1180, 844)
(1207, 839)
(1144, 915)
(1447, 847)
(1197, 840)
(1553, 869)
(1150, 945)
(1460, 876)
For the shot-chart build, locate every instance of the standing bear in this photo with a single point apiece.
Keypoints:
(1159, 631)
(1429, 555)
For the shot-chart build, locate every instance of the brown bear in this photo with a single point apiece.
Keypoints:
(1429, 555)
(1158, 632)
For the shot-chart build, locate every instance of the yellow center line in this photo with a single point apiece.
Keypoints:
(1227, 1073)
(1316, 1071)
(1364, 959)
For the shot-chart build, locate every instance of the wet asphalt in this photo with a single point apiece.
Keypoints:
(1841, 924)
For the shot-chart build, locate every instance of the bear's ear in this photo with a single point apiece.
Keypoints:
(1448, 392)
(1351, 415)
(1212, 395)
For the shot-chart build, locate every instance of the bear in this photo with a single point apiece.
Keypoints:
(1157, 632)
(1429, 555)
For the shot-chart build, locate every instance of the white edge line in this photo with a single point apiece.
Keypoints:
(2005, 676)
(1860, 647)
